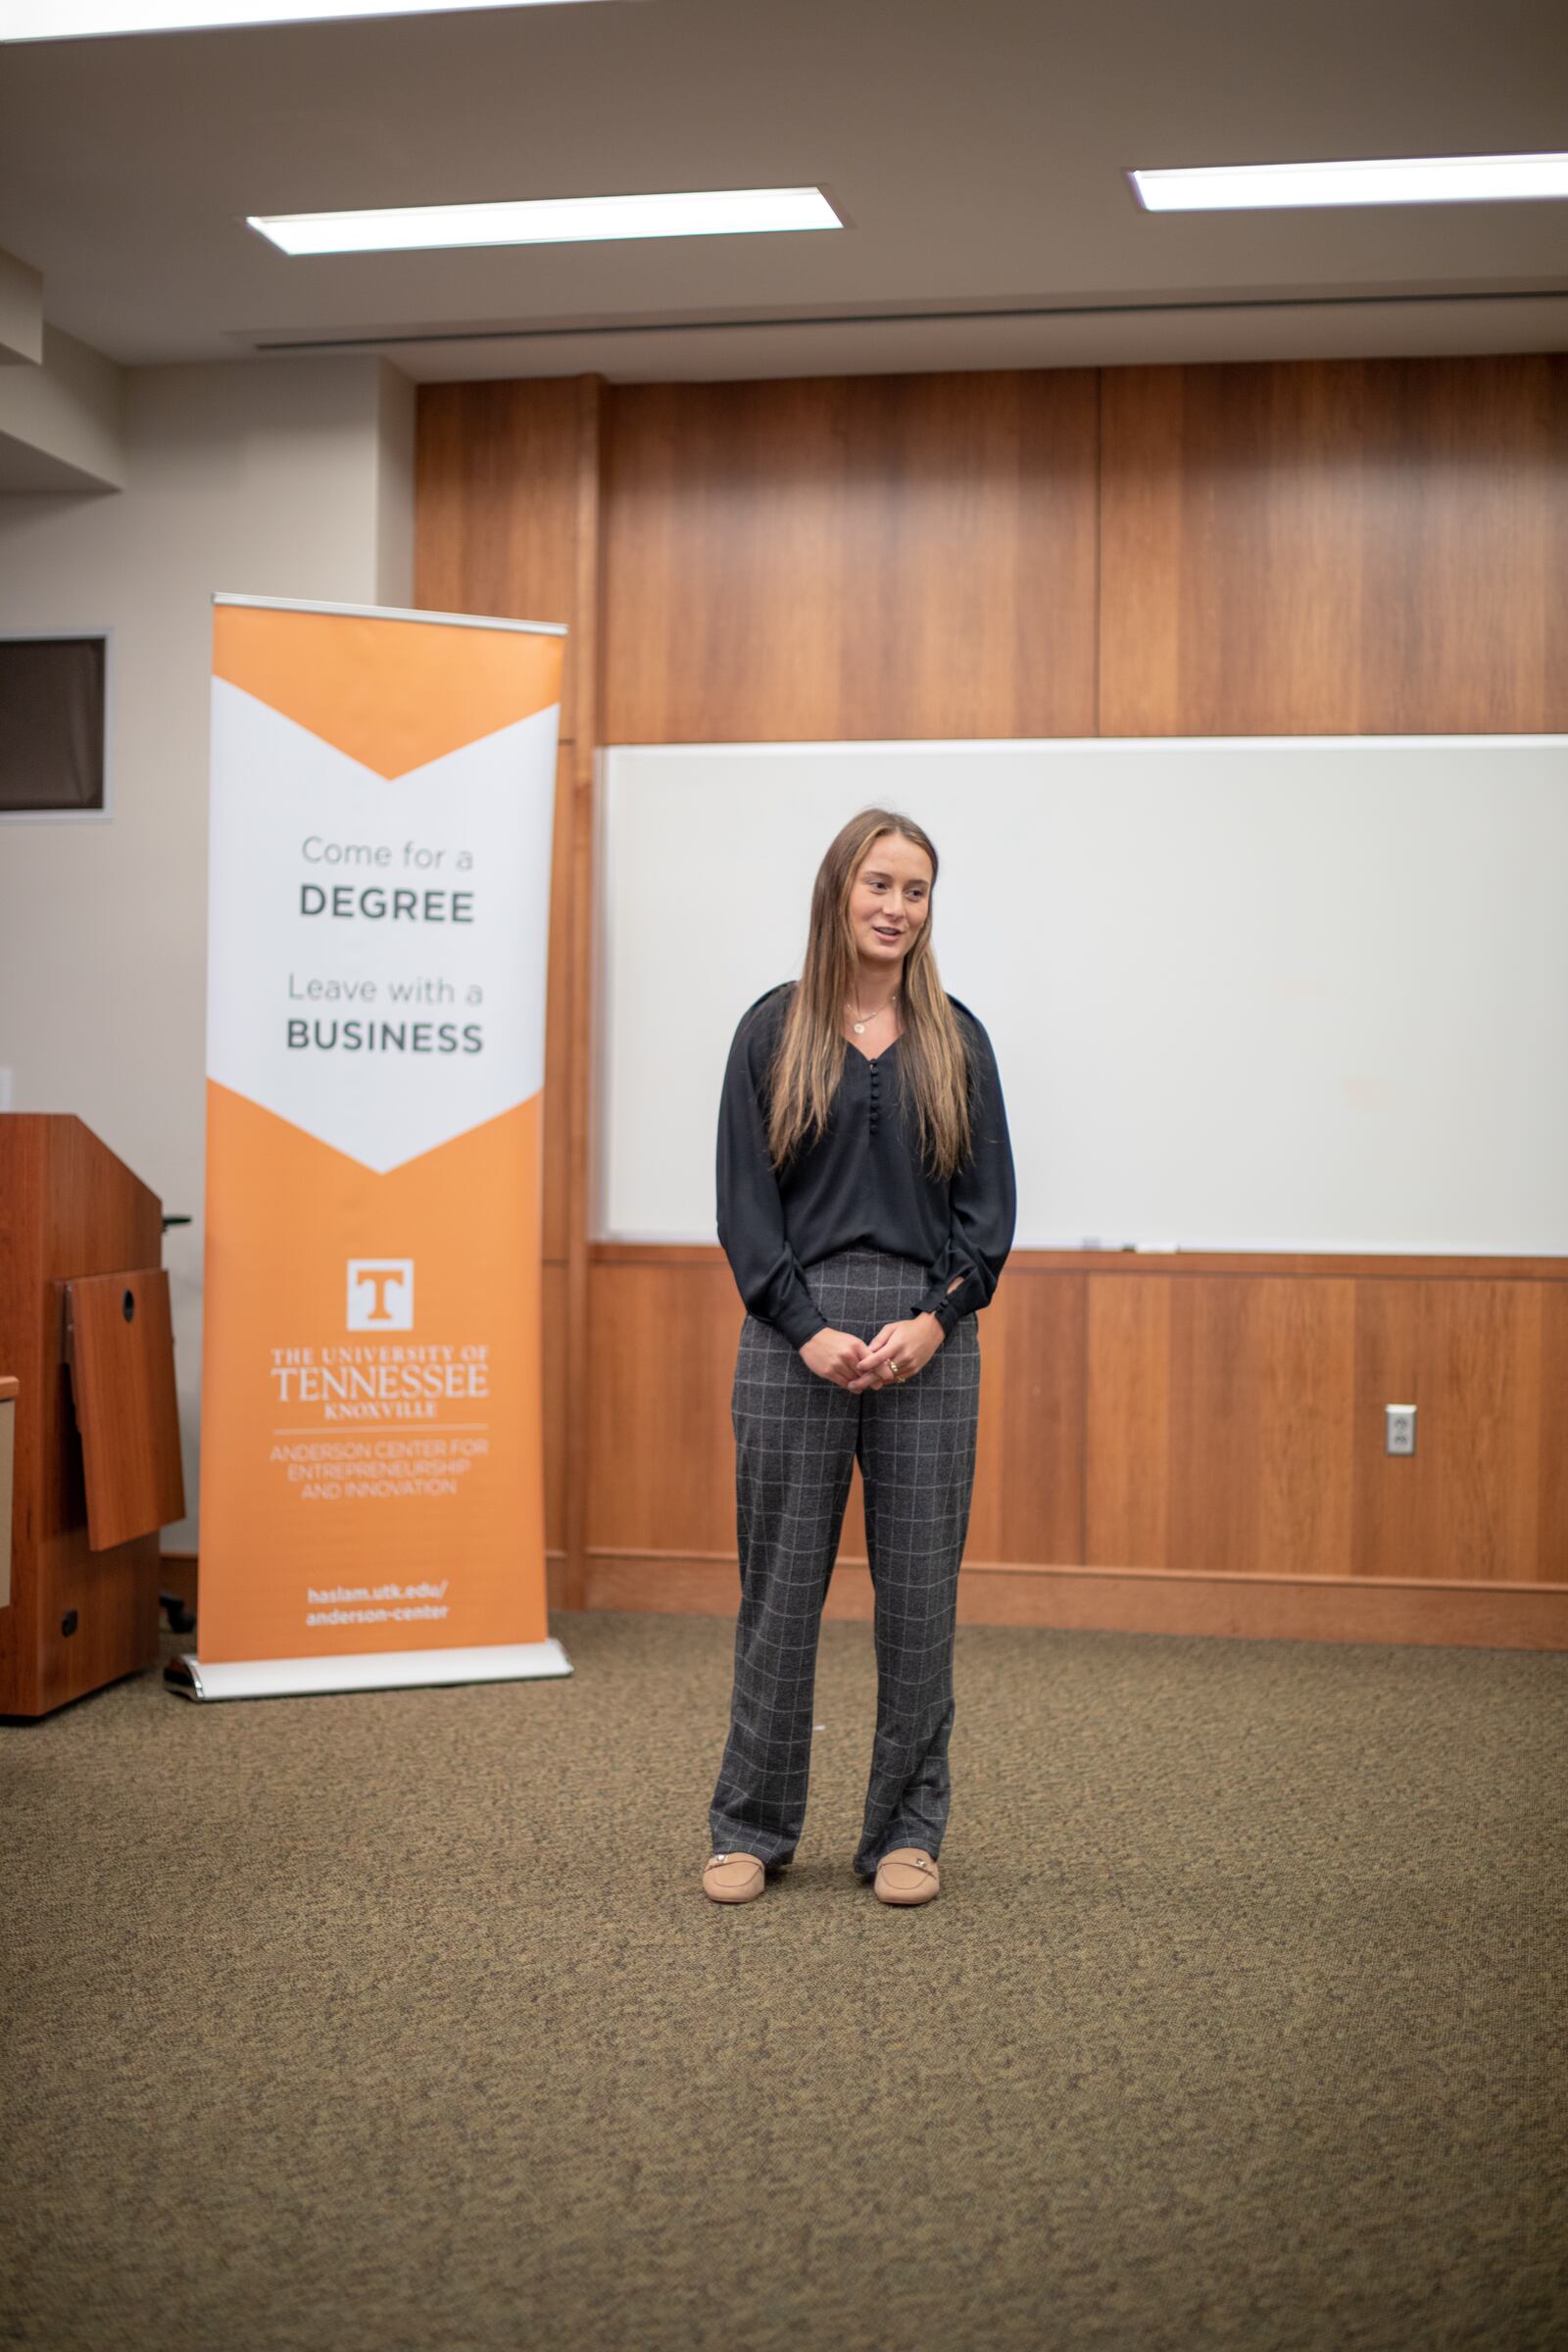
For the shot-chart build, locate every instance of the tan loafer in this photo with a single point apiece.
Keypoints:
(908, 1875)
(733, 1879)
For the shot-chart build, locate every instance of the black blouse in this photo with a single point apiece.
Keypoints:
(861, 1184)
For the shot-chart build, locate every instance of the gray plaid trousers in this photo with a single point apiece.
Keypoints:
(797, 1439)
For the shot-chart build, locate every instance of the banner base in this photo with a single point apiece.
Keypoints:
(377, 1670)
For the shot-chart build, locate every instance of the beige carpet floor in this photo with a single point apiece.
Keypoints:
(398, 2023)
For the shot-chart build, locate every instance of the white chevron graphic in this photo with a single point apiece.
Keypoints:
(350, 1022)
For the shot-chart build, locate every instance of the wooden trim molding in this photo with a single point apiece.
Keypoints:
(1253, 1263)
(1250, 1263)
(1139, 1600)
(585, 628)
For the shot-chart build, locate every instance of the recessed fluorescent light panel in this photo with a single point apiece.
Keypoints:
(552, 220)
(80, 20)
(1431, 179)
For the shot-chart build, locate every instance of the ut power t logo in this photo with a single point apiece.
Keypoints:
(380, 1293)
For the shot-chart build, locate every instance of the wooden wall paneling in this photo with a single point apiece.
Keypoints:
(851, 558)
(1127, 1417)
(1552, 1549)
(507, 506)
(560, 1077)
(853, 1549)
(1330, 547)
(553, 1376)
(10, 1390)
(1465, 545)
(1478, 1359)
(1229, 1429)
(1260, 1425)
(1029, 1469)
(1260, 1442)
(723, 595)
(1316, 547)
(496, 506)
(1219, 1424)
(1266, 1608)
(498, 510)
(580, 1367)
(662, 1334)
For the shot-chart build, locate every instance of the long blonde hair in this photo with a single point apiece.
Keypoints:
(933, 1067)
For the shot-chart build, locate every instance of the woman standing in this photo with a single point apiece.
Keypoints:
(865, 1204)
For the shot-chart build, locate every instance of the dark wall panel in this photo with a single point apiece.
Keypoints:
(850, 558)
(1335, 547)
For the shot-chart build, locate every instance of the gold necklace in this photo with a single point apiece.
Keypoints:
(860, 1026)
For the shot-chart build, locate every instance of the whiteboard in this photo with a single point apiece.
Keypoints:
(1261, 992)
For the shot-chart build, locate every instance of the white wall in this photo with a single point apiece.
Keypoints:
(286, 478)
(63, 422)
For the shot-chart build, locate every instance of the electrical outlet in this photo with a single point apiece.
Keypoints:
(1398, 1421)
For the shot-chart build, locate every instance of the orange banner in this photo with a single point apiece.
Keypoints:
(372, 1491)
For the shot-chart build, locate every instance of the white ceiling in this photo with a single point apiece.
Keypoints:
(978, 151)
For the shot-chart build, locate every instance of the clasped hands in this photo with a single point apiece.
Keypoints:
(850, 1363)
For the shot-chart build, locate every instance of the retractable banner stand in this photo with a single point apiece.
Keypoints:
(372, 1489)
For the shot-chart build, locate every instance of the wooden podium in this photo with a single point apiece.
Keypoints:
(84, 1331)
